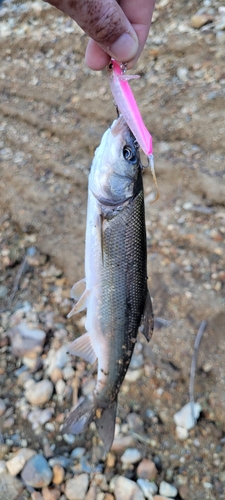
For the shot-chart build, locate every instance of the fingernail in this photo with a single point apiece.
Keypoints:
(124, 48)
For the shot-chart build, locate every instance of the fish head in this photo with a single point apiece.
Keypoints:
(115, 165)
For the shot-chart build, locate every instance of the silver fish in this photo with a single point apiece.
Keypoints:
(116, 294)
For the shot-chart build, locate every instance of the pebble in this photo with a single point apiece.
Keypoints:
(181, 433)
(184, 418)
(16, 463)
(137, 361)
(125, 489)
(135, 422)
(199, 20)
(56, 374)
(50, 494)
(40, 393)
(26, 340)
(77, 453)
(40, 417)
(76, 487)
(10, 487)
(58, 474)
(3, 467)
(182, 74)
(131, 456)
(57, 359)
(167, 490)
(3, 291)
(148, 488)
(147, 470)
(36, 495)
(133, 375)
(2, 407)
(122, 442)
(37, 472)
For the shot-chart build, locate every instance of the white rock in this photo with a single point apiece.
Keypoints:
(16, 463)
(125, 489)
(184, 418)
(131, 456)
(76, 487)
(40, 393)
(167, 489)
(182, 74)
(25, 339)
(181, 433)
(133, 375)
(3, 469)
(149, 489)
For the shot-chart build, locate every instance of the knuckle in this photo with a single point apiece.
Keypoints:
(108, 26)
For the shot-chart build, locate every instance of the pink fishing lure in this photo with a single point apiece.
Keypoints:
(128, 107)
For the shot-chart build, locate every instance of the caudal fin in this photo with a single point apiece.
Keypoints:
(80, 418)
(105, 423)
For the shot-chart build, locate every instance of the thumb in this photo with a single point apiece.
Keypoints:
(105, 22)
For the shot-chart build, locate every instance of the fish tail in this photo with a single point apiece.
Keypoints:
(89, 410)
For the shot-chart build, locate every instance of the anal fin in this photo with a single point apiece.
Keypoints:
(83, 347)
(80, 305)
(147, 320)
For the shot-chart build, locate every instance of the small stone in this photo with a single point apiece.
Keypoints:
(40, 393)
(133, 375)
(135, 422)
(148, 488)
(184, 492)
(167, 490)
(110, 460)
(125, 489)
(181, 433)
(9, 422)
(26, 340)
(147, 470)
(122, 442)
(182, 74)
(131, 456)
(184, 418)
(50, 494)
(88, 387)
(199, 20)
(3, 291)
(16, 463)
(56, 374)
(10, 487)
(36, 495)
(76, 487)
(37, 472)
(58, 474)
(2, 407)
(77, 453)
(108, 496)
(60, 387)
(160, 497)
(4, 448)
(3, 467)
(137, 361)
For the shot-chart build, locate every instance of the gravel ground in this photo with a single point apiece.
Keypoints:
(57, 119)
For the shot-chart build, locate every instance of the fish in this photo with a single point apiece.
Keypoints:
(114, 290)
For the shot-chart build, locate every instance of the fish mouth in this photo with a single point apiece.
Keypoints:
(119, 125)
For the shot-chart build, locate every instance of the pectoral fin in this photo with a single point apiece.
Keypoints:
(78, 289)
(83, 347)
(81, 304)
(147, 320)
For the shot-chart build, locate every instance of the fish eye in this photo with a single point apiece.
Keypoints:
(129, 154)
(110, 66)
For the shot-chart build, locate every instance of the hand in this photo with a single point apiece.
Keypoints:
(118, 31)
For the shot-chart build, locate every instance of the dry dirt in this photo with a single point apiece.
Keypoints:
(53, 112)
